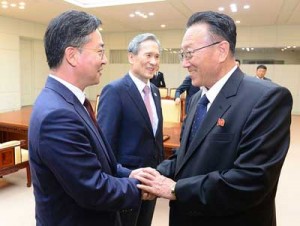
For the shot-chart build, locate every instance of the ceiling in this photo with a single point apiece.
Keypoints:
(172, 13)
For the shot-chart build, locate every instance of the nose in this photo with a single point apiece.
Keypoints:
(154, 61)
(104, 59)
(185, 63)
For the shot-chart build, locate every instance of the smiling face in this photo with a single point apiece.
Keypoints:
(204, 65)
(145, 63)
(90, 60)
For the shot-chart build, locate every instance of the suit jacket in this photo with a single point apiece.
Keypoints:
(229, 173)
(123, 118)
(74, 171)
(187, 86)
(264, 78)
(267, 79)
(158, 80)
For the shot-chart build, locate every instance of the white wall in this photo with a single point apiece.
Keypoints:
(24, 68)
(11, 31)
(284, 75)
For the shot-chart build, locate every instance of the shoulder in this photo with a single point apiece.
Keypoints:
(262, 90)
(117, 84)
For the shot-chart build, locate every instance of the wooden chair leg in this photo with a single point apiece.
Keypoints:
(28, 175)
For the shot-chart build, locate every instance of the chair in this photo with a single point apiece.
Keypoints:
(183, 95)
(14, 158)
(163, 92)
(172, 93)
(97, 104)
(171, 111)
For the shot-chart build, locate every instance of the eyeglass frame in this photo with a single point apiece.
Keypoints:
(100, 52)
(189, 54)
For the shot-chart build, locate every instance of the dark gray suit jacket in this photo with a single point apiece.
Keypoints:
(229, 173)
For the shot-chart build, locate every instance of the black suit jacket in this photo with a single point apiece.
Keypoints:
(187, 86)
(229, 173)
(158, 80)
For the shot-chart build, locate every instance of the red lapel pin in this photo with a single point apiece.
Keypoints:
(220, 122)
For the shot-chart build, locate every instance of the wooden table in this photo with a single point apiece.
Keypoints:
(172, 129)
(14, 126)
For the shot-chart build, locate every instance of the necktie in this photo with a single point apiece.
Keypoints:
(199, 115)
(147, 92)
(90, 110)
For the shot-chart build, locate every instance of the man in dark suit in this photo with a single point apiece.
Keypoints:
(187, 86)
(225, 172)
(133, 130)
(75, 176)
(158, 79)
(261, 71)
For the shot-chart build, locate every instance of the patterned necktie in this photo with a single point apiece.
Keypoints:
(90, 110)
(147, 92)
(199, 115)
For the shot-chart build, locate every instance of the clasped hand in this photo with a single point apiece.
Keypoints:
(153, 184)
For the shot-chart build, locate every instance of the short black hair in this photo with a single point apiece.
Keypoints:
(70, 28)
(261, 67)
(219, 25)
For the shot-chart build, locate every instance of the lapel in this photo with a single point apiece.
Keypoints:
(137, 99)
(79, 108)
(157, 102)
(218, 108)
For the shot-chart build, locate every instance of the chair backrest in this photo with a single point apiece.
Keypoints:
(183, 95)
(163, 92)
(20, 154)
(172, 92)
(96, 105)
(170, 110)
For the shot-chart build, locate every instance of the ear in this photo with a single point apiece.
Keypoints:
(71, 55)
(131, 58)
(223, 51)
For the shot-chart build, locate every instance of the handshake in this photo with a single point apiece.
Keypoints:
(153, 184)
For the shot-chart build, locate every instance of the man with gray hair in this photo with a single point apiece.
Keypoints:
(130, 116)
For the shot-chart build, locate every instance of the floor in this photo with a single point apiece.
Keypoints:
(17, 202)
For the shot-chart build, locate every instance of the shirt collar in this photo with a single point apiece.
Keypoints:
(75, 90)
(139, 84)
(216, 88)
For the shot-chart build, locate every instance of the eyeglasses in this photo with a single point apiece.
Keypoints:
(189, 54)
(100, 52)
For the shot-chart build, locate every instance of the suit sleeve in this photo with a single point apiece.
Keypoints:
(66, 147)
(110, 115)
(254, 174)
(185, 85)
(163, 84)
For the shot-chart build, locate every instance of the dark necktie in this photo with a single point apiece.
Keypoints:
(90, 110)
(199, 115)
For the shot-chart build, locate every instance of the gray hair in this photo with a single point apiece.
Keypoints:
(134, 45)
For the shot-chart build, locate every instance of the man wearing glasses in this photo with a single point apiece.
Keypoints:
(235, 139)
(76, 178)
